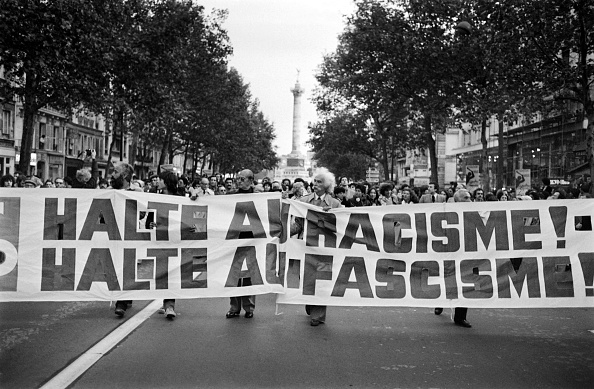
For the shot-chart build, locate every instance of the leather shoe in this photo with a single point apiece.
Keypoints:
(463, 323)
(315, 323)
(249, 315)
(230, 314)
(438, 311)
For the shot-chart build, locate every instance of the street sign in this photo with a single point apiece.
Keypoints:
(372, 175)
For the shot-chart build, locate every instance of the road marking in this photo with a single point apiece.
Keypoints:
(71, 372)
(592, 331)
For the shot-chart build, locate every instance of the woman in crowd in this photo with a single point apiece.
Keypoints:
(502, 195)
(385, 197)
(6, 181)
(297, 191)
(373, 196)
(490, 197)
(359, 198)
(409, 196)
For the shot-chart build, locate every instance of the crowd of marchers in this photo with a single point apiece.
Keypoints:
(324, 191)
(350, 193)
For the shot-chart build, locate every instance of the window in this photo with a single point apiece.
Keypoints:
(55, 138)
(42, 136)
(6, 127)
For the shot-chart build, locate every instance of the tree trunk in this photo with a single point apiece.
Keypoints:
(501, 181)
(170, 147)
(431, 146)
(384, 160)
(28, 133)
(202, 165)
(143, 156)
(194, 164)
(133, 147)
(483, 170)
(120, 119)
(164, 151)
(186, 157)
(118, 122)
(590, 148)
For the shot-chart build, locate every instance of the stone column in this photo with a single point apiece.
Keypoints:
(297, 92)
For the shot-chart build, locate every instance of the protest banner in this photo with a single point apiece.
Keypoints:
(58, 245)
(492, 254)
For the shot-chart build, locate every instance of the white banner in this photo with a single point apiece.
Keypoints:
(492, 254)
(68, 244)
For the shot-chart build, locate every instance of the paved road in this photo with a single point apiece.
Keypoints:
(358, 347)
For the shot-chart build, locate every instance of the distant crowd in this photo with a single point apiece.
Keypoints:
(348, 192)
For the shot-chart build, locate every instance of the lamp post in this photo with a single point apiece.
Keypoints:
(589, 128)
(500, 176)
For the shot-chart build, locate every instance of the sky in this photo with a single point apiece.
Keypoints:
(271, 40)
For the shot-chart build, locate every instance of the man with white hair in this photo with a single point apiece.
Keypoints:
(86, 178)
(323, 186)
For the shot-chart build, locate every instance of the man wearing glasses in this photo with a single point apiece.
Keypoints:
(59, 183)
(245, 184)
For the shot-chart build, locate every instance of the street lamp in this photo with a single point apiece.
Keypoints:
(464, 28)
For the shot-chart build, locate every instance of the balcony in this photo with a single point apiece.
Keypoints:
(147, 158)
(6, 143)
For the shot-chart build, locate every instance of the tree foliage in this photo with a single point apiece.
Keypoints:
(400, 59)
(393, 67)
(51, 53)
(156, 69)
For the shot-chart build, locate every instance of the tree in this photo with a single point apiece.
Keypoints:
(558, 38)
(395, 65)
(357, 79)
(342, 144)
(51, 55)
(494, 83)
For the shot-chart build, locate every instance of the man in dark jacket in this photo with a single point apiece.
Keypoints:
(245, 184)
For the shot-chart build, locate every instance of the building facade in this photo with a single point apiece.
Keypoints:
(553, 148)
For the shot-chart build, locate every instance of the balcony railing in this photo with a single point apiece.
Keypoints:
(144, 158)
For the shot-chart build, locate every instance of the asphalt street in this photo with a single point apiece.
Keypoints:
(358, 347)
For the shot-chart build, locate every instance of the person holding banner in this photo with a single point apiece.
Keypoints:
(120, 180)
(245, 181)
(323, 186)
(168, 185)
(461, 196)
